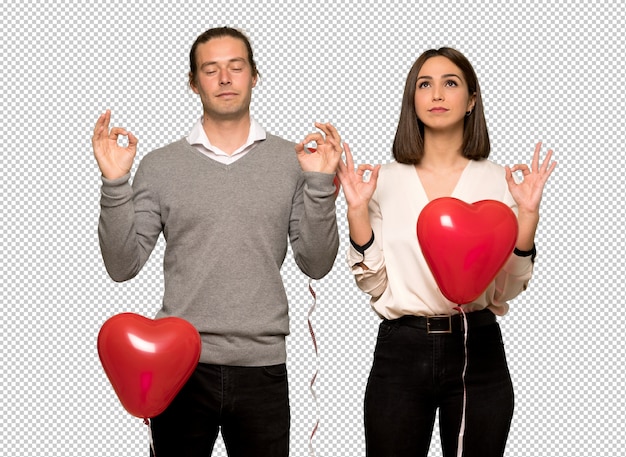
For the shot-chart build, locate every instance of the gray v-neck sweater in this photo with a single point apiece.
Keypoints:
(226, 229)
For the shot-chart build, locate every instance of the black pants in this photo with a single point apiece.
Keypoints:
(249, 404)
(415, 373)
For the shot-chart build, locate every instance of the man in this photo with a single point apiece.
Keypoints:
(226, 198)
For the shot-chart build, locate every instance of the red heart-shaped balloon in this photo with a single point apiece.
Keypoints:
(466, 245)
(147, 361)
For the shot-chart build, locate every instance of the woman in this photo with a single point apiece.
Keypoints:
(440, 150)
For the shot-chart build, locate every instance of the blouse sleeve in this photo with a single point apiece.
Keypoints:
(368, 265)
(514, 277)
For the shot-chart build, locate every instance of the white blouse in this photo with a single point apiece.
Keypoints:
(397, 275)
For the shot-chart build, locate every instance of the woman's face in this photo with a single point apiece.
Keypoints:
(442, 97)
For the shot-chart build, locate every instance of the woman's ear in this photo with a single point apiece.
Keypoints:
(471, 103)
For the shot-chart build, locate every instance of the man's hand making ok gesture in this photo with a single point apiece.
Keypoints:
(114, 160)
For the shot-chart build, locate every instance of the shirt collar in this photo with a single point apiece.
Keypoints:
(197, 137)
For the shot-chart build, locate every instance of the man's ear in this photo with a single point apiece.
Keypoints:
(192, 83)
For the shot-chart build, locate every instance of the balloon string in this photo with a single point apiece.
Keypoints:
(459, 449)
(312, 381)
(147, 422)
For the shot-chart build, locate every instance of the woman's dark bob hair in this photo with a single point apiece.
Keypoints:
(408, 144)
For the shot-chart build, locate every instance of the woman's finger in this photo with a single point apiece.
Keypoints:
(535, 161)
(349, 159)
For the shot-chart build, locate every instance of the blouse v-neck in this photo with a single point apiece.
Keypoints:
(455, 190)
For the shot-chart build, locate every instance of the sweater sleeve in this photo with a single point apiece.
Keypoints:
(129, 225)
(313, 224)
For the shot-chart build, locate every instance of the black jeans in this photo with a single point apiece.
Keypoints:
(415, 373)
(249, 404)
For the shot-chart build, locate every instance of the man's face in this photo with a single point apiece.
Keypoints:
(224, 79)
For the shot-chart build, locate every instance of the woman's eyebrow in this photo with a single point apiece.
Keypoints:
(447, 75)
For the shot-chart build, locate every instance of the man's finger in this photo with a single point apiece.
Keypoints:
(117, 131)
(132, 140)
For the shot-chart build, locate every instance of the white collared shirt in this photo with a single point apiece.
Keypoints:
(198, 139)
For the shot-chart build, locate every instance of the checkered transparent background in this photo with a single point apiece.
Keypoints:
(549, 71)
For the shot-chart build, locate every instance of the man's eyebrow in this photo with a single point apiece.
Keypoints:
(213, 62)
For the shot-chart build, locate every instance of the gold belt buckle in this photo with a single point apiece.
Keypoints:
(430, 324)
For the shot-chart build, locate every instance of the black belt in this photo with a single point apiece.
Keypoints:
(447, 323)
